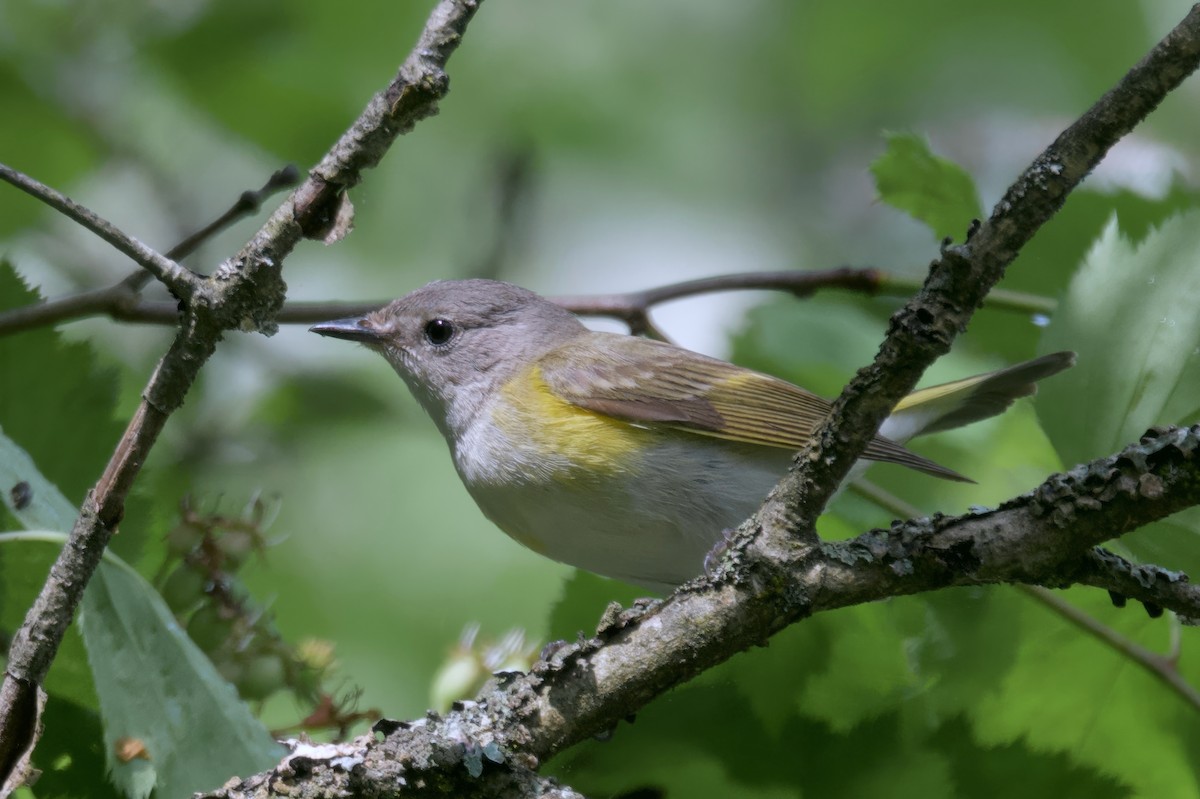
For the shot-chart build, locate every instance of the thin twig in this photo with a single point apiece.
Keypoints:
(245, 293)
(123, 300)
(960, 280)
(885, 499)
(247, 204)
(1163, 667)
(632, 308)
(510, 194)
(1153, 586)
(180, 281)
(112, 301)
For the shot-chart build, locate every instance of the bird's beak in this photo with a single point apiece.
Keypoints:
(352, 328)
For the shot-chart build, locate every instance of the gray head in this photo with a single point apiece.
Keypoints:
(454, 340)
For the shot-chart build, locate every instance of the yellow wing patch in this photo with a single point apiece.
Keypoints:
(555, 428)
(655, 385)
(927, 396)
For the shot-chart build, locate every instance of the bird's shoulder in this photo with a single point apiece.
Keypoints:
(645, 381)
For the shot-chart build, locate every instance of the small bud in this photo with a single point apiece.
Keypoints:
(208, 628)
(183, 589)
(262, 676)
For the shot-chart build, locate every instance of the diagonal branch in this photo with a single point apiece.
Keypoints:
(586, 688)
(1161, 667)
(1155, 587)
(777, 572)
(180, 281)
(245, 293)
(961, 278)
(123, 299)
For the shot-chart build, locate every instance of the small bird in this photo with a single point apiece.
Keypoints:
(616, 454)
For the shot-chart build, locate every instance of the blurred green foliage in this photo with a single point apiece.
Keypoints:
(664, 141)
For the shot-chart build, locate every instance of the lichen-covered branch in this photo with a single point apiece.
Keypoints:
(776, 571)
(1040, 538)
(586, 688)
(961, 278)
(1155, 587)
(245, 293)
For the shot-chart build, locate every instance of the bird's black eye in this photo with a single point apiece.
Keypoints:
(438, 331)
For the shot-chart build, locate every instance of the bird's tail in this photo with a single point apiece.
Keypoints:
(961, 402)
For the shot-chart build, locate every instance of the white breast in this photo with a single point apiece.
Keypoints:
(651, 523)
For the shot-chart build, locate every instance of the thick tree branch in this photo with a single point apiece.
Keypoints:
(586, 688)
(1155, 587)
(777, 571)
(245, 293)
(958, 281)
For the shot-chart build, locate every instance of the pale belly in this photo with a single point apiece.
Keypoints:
(649, 522)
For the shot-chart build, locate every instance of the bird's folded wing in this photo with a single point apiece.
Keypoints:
(646, 382)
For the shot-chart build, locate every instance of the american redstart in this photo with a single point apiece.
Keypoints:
(617, 454)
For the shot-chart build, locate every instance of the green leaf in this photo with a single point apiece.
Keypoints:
(47, 136)
(1070, 693)
(157, 688)
(38, 503)
(1047, 263)
(63, 413)
(1016, 770)
(1130, 313)
(866, 673)
(930, 188)
(23, 569)
(60, 411)
(1172, 542)
(153, 684)
(70, 753)
(674, 747)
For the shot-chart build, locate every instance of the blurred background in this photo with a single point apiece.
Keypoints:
(584, 147)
